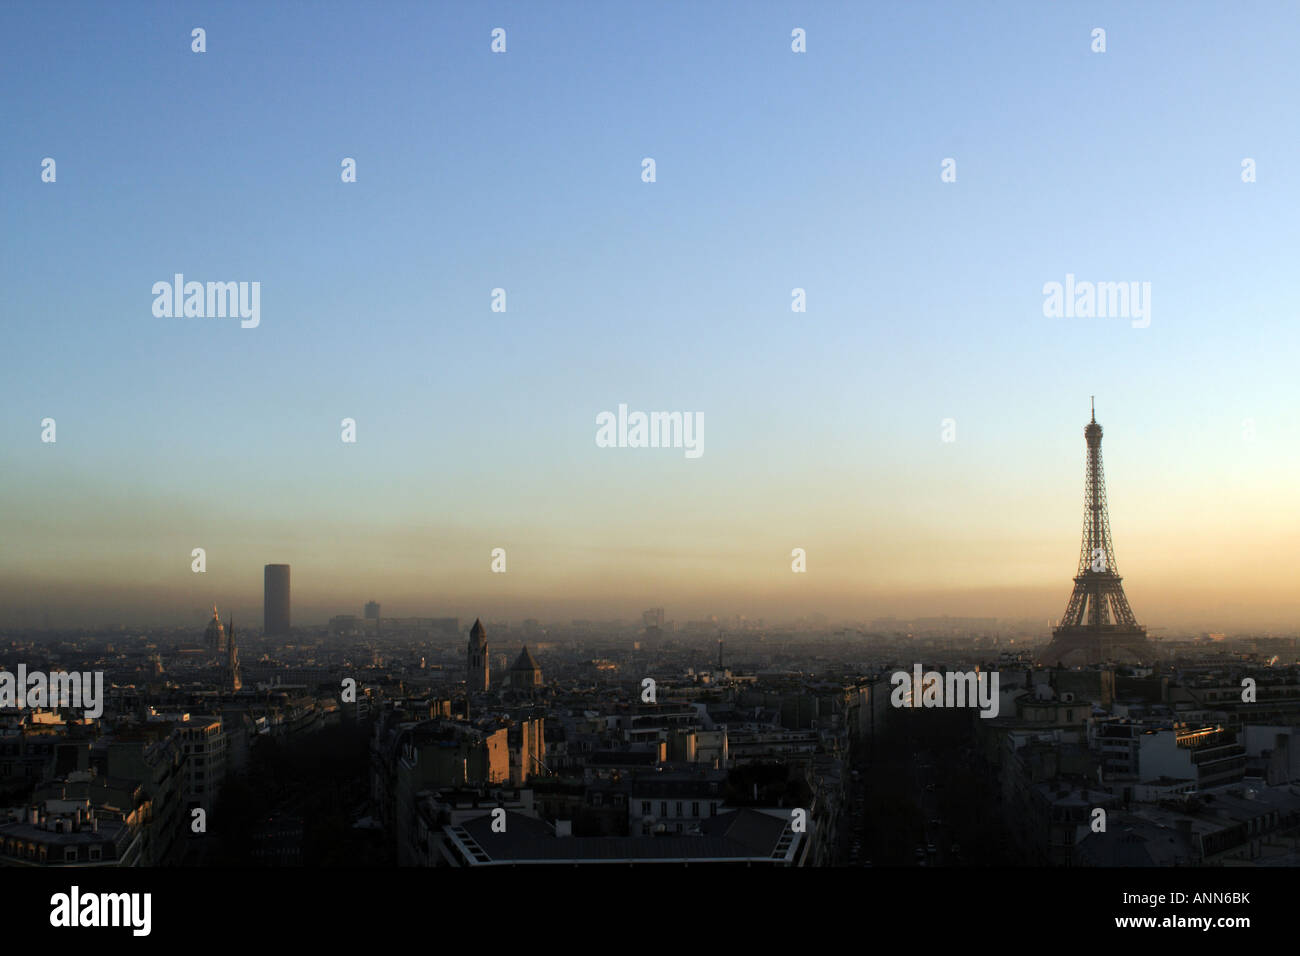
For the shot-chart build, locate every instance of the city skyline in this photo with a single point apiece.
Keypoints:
(1215, 613)
(566, 438)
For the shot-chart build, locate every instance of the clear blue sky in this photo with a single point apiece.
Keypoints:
(522, 171)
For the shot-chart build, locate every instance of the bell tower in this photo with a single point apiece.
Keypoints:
(476, 659)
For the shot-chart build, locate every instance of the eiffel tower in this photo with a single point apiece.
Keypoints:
(1098, 625)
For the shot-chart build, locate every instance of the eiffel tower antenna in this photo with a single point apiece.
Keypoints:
(1098, 624)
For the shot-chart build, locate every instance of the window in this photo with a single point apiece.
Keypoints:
(679, 810)
(645, 808)
(663, 808)
(713, 809)
(695, 808)
(69, 854)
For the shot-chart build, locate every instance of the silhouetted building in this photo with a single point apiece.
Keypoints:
(372, 610)
(275, 599)
(525, 674)
(1098, 625)
(477, 677)
(744, 837)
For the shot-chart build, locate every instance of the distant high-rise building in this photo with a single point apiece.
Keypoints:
(654, 623)
(372, 610)
(275, 598)
(477, 677)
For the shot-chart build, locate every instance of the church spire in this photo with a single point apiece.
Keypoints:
(478, 677)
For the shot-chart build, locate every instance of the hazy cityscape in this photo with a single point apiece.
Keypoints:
(747, 722)
(711, 469)
(418, 741)
(890, 744)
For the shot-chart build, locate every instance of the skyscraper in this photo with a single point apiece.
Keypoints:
(1098, 625)
(275, 598)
